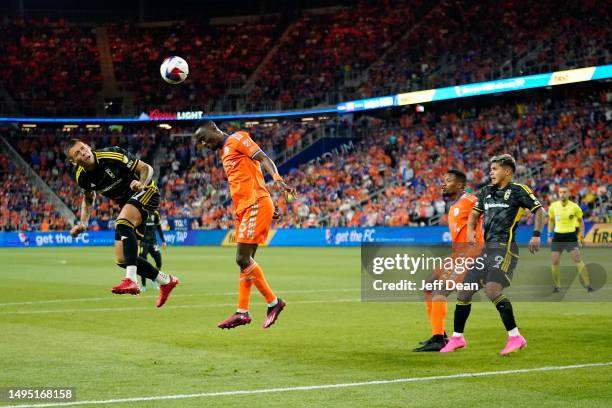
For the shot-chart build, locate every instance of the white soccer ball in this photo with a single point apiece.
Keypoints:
(174, 70)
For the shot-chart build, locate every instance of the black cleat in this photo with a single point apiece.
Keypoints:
(590, 289)
(432, 345)
(556, 289)
(422, 343)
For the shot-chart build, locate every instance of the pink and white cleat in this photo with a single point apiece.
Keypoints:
(514, 343)
(454, 343)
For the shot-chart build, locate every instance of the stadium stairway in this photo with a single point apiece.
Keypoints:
(248, 85)
(37, 182)
(360, 80)
(110, 88)
(315, 144)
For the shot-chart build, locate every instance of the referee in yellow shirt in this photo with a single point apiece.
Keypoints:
(565, 219)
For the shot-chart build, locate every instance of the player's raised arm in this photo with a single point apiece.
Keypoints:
(145, 174)
(86, 207)
(270, 167)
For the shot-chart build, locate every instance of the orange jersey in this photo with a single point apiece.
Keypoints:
(244, 174)
(458, 216)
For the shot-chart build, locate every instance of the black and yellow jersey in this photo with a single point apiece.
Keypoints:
(503, 208)
(115, 170)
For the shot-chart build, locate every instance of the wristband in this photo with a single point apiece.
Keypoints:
(277, 177)
(536, 234)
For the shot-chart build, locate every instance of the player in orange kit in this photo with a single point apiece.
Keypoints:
(242, 160)
(453, 187)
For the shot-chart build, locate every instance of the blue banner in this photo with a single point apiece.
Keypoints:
(330, 237)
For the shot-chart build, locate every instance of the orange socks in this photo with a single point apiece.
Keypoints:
(253, 274)
(244, 288)
(438, 315)
(428, 304)
(262, 284)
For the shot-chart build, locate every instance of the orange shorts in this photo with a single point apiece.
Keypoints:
(254, 222)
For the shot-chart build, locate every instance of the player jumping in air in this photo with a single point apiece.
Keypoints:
(242, 160)
(148, 245)
(503, 203)
(565, 218)
(453, 188)
(128, 181)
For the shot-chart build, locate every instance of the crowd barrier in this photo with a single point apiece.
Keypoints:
(597, 234)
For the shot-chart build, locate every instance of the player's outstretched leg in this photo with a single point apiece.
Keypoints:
(437, 316)
(515, 340)
(462, 312)
(166, 282)
(126, 242)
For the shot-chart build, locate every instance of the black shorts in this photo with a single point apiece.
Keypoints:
(498, 266)
(147, 201)
(147, 248)
(564, 242)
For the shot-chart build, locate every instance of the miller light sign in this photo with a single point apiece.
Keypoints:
(156, 114)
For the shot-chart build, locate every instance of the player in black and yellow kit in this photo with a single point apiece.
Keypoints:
(148, 244)
(565, 219)
(503, 203)
(121, 177)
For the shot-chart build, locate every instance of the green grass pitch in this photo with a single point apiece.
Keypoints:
(61, 326)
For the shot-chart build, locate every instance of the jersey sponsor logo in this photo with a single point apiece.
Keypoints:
(115, 184)
(496, 205)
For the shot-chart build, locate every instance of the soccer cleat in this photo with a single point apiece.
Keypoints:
(513, 344)
(433, 344)
(556, 289)
(590, 289)
(164, 291)
(126, 286)
(235, 320)
(143, 288)
(454, 343)
(431, 338)
(155, 285)
(272, 313)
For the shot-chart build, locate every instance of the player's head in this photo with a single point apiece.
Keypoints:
(79, 153)
(209, 135)
(564, 193)
(453, 183)
(502, 169)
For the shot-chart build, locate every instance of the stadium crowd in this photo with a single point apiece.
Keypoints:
(485, 37)
(218, 56)
(388, 177)
(50, 67)
(23, 207)
(371, 48)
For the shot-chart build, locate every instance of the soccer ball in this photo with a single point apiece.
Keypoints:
(174, 70)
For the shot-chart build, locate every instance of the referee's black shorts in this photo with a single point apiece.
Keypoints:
(564, 242)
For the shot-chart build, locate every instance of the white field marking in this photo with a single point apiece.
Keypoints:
(314, 387)
(127, 309)
(110, 297)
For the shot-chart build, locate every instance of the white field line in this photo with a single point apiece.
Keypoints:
(110, 297)
(315, 387)
(151, 307)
